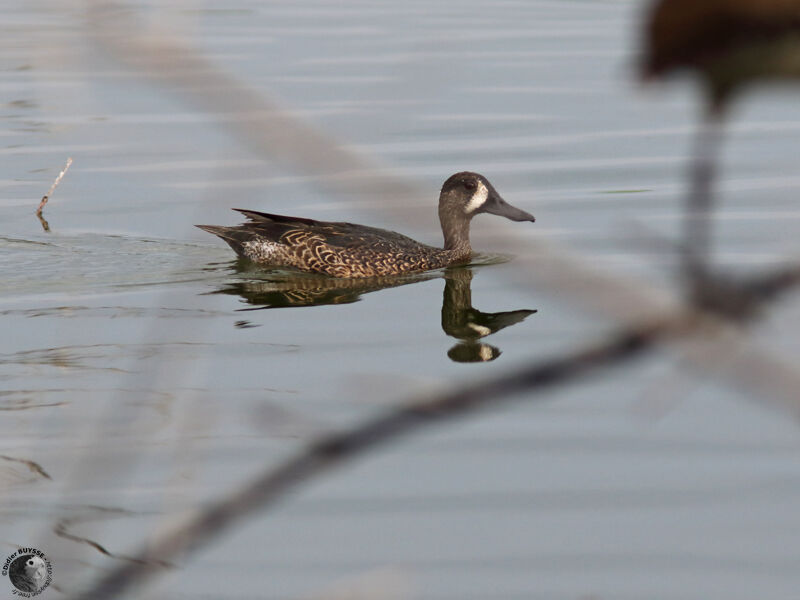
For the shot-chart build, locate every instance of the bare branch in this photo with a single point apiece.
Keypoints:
(49, 193)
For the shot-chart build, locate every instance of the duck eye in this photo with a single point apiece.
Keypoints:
(470, 185)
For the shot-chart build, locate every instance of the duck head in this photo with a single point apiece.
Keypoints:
(465, 195)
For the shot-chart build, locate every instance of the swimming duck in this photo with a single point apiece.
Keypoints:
(348, 250)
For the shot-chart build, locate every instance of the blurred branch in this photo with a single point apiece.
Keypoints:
(322, 456)
(337, 448)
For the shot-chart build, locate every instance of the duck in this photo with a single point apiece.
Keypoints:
(350, 250)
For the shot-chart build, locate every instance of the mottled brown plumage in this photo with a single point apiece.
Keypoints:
(348, 250)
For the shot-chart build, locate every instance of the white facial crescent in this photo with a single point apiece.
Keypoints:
(478, 198)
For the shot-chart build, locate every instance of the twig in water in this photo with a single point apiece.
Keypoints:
(49, 193)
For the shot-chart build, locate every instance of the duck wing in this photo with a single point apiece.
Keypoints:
(262, 217)
(338, 234)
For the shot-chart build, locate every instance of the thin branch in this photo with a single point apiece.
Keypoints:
(49, 193)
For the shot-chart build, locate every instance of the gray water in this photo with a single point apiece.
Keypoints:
(144, 371)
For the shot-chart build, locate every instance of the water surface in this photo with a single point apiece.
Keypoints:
(143, 371)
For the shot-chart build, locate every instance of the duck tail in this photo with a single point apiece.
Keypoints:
(235, 237)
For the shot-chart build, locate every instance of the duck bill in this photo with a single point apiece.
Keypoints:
(497, 206)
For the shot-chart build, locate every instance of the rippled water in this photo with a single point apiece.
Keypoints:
(144, 371)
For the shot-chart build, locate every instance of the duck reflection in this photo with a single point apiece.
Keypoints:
(459, 319)
(282, 289)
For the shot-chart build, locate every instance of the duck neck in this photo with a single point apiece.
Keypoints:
(456, 235)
